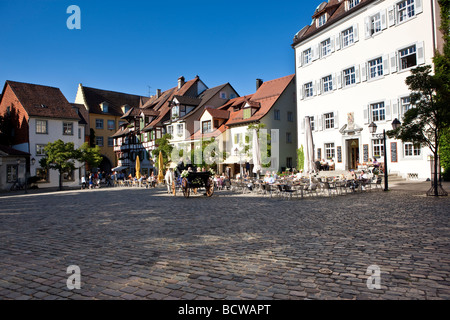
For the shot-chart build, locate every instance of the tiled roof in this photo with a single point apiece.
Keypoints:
(82, 113)
(214, 134)
(188, 101)
(43, 101)
(336, 11)
(218, 114)
(267, 94)
(162, 104)
(95, 97)
(205, 98)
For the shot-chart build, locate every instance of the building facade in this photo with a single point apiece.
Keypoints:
(351, 67)
(41, 114)
(105, 109)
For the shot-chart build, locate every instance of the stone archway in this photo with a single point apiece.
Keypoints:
(105, 165)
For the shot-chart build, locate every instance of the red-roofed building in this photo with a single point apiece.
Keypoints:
(39, 115)
(273, 105)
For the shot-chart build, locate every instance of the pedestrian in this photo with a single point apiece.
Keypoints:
(169, 179)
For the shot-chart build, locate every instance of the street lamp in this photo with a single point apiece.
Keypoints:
(373, 129)
(236, 152)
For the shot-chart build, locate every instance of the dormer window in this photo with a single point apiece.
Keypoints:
(353, 3)
(321, 20)
(105, 107)
(126, 108)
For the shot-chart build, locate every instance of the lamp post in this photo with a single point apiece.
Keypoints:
(373, 130)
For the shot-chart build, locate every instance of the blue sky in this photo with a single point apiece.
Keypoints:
(128, 46)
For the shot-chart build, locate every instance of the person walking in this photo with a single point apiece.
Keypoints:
(169, 179)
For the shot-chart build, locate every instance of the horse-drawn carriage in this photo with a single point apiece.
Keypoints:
(187, 181)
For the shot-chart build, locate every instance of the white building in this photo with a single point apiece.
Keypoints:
(351, 66)
(41, 114)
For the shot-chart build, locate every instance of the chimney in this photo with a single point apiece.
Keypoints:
(180, 82)
(259, 82)
(158, 93)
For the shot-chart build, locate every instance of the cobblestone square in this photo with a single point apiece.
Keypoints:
(145, 244)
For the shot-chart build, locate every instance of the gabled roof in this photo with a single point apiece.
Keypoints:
(188, 101)
(43, 101)
(266, 96)
(162, 104)
(214, 134)
(335, 10)
(82, 113)
(205, 97)
(95, 97)
(217, 114)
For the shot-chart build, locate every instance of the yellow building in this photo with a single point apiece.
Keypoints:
(105, 110)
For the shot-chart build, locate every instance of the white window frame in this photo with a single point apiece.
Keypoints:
(352, 3)
(68, 128)
(405, 104)
(327, 84)
(321, 20)
(413, 149)
(349, 76)
(402, 54)
(378, 111)
(40, 125)
(307, 56)
(328, 120)
(404, 12)
(308, 89)
(375, 68)
(348, 37)
(377, 148)
(325, 48)
(329, 150)
(40, 150)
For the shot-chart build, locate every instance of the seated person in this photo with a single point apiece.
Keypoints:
(318, 165)
(331, 164)
(325, 165)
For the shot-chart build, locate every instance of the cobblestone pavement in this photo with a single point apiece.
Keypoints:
(145, 244)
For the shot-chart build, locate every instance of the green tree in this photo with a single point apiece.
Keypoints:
(426, 122)
(163, 145)
(442, 67)
(60, 156)
(300, 158)
(90, 155)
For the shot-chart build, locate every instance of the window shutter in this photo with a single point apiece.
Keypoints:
(337, 42)
(315, 52)
(302, 92)
(366, 114)
(300, 59)
(318, 86)
(386, 64)
(357, 72)
(339, 80)
(420, 53)
(364, 72)
(387, 106)
(395, 111)
(383, 19)
(333, 81)
(355, 32)
(391, 16)
(393, 58)
(336, 119)
(319, 122)
(419, 6)
(367, 27)
(314, 88)
(332, 41)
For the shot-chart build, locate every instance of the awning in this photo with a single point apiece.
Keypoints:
(119, 168)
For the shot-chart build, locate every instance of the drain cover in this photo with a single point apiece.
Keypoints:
(325, 271)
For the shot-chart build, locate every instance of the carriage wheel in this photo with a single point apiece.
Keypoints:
(174, 188)
(209, 187)
(185, 187)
